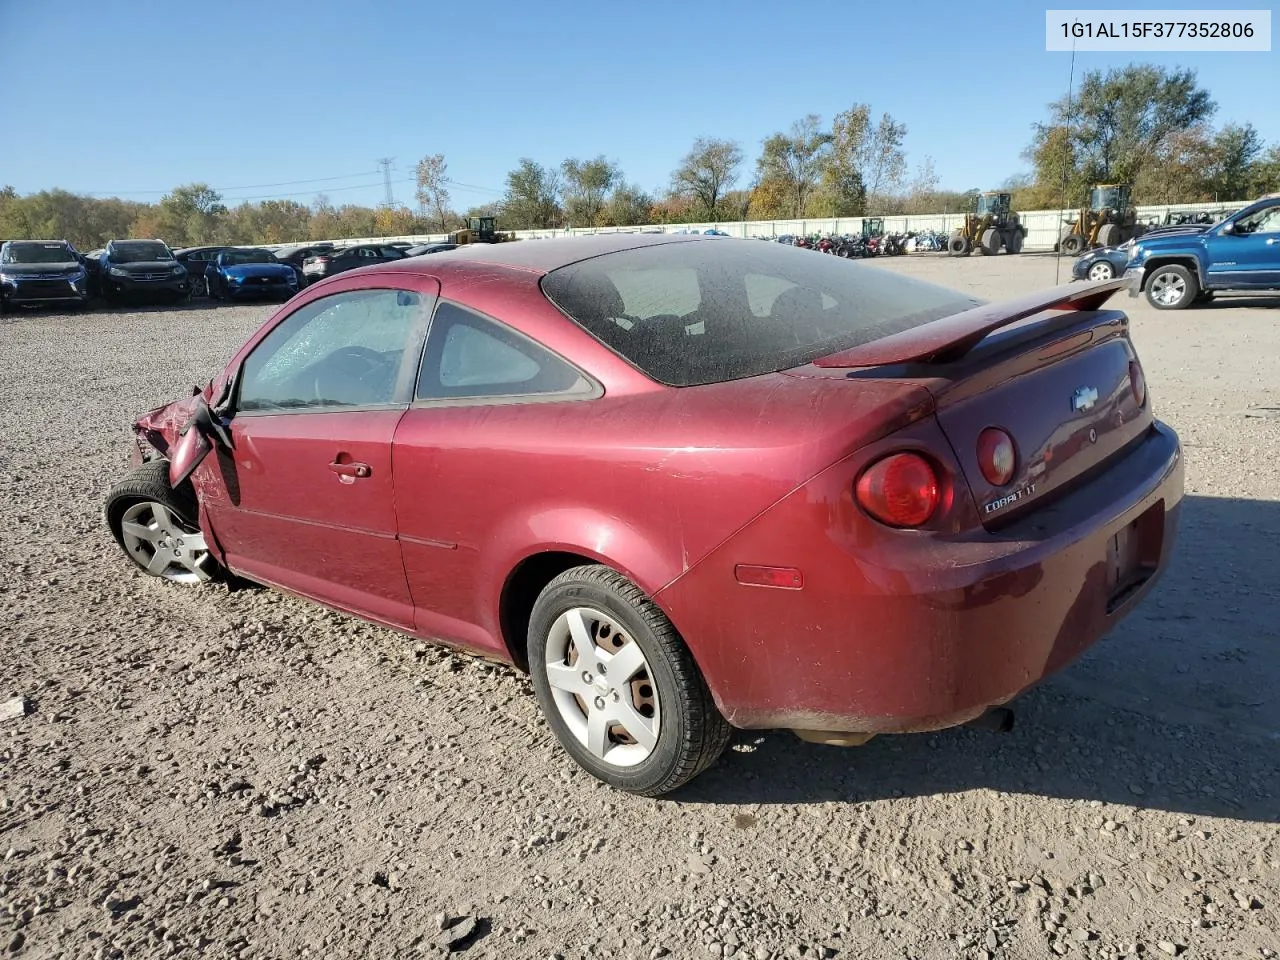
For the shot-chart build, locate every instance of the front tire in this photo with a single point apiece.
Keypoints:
(1172, 287)
(158, 528)
(1073, 244)
(1102, 270)
(618, 686)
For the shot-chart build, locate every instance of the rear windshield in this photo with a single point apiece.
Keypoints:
(708, 311)
(38, 253)
(233, 258)
(139, 251)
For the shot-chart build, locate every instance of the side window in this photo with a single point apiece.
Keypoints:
(470, 356)
(339, 351)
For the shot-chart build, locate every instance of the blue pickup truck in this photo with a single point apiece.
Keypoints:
(1242, 252)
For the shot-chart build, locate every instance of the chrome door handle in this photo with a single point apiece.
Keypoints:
(360, 470)
(1272, 240)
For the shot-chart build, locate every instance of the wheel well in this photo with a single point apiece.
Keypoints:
(520, 593)
(1151, 265)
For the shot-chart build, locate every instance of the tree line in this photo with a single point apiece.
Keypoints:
(1141, 124)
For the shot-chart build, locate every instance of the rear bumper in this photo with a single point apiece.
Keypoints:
(930, 635)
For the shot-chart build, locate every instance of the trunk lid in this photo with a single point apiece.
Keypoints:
(1051, 369)
(1069, 406)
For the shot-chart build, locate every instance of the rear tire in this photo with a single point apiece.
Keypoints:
(1172, 287)
(958, 246)
(597, 615)
(1072, 244)
(1013, 242)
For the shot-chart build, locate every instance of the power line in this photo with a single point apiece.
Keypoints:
(248, 186)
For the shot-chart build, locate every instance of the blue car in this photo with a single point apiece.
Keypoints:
(239, 272)
(1102, 263)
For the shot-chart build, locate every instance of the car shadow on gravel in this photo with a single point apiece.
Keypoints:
(1175, 711)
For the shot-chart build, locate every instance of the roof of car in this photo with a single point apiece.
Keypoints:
(546, 255)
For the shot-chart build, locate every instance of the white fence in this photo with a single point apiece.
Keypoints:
(1043, 226)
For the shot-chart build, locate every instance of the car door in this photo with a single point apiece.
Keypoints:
(1250, 255)
(483, 392)
(306, 499)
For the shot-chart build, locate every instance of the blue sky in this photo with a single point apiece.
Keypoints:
(246, 94)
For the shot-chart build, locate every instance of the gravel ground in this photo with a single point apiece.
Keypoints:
(240, 774)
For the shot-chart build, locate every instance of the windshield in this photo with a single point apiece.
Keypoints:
(139, 251)
(38, 253)
(988, 204)
(1106, 198)
(231, 258)
(709, 311)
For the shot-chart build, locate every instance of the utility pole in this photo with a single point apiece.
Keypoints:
(389, 200)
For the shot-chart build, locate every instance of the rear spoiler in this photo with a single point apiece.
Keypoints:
(952, 337)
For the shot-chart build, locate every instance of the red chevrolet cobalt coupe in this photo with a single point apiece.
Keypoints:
(688, 483)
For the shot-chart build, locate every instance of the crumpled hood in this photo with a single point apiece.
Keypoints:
(275, 271)
(161, 425)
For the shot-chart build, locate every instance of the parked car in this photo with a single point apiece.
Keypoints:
(295, 256)
(239, 272)
(1182, 266)
(1105, 263)
(323, 265)
(1101, 263)
(686, 484)
(425, 248)
(147, 268)
(41, 271)
(197, 260)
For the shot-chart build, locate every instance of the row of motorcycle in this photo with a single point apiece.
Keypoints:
(879, 245)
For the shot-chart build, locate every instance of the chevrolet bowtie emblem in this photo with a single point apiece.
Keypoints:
(1084, 398)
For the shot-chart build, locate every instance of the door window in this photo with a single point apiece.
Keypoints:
(1264, 221)
(470, 356)
(339, 351)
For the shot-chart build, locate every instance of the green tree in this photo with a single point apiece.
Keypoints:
(586, 188)
(433, 191)
(795, 161)
(191, 214)
(628, 205)
(1265, 173)
(1116, 123)
(708, 170)
(865, 160)
(532, 200)
(1235, 150)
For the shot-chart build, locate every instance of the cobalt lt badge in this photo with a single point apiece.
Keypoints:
(1084, 398)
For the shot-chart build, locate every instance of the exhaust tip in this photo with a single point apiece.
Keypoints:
(996, 720)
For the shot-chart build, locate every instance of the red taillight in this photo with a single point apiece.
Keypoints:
(1137, 382)
(900, 490)
(996, 456)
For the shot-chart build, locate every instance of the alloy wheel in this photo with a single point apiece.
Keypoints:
(1168, 288)
(602, 687)
(1101, 271)
(164, 546)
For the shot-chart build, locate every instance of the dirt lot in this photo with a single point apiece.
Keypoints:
(220, 774)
